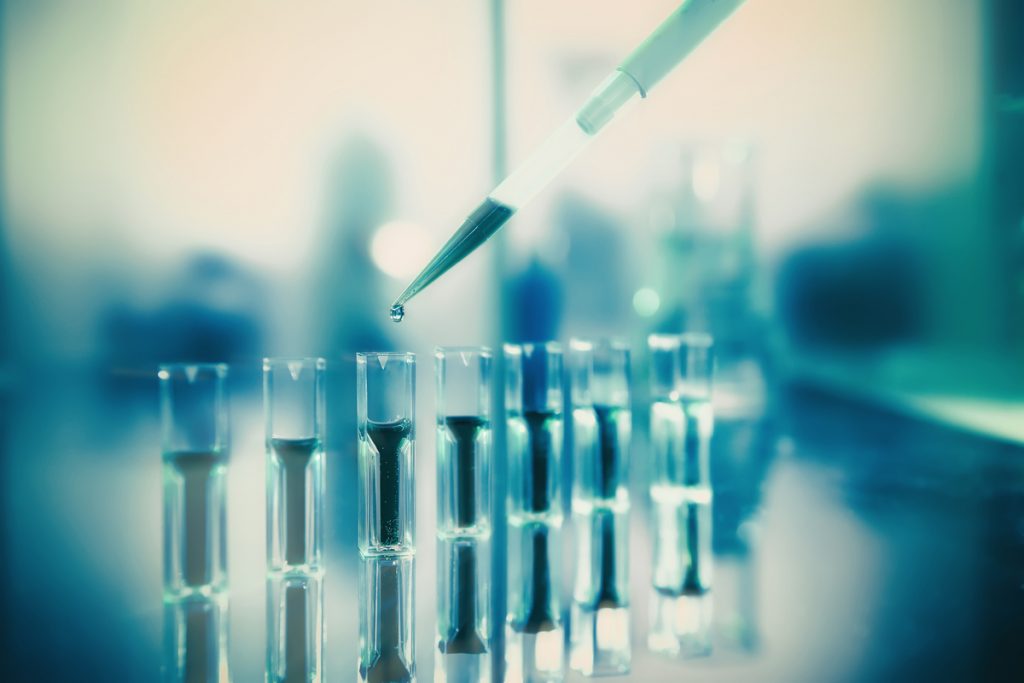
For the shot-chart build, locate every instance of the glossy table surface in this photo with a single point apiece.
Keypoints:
(851, 545)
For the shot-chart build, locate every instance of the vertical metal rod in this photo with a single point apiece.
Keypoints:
(499, 167)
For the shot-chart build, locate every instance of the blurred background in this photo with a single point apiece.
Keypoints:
(834, 190)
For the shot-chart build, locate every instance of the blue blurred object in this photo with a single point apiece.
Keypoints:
(596, 267)
(212, 313)
(352, 315)
(535, 300)
(865, 291)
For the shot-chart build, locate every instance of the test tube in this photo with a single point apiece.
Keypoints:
(196, 639)
(602, 426)
(195, 440)
(681, 426)
(534, 640)
(293, 401)
(385, 401)
(194, 426)
(464, 443)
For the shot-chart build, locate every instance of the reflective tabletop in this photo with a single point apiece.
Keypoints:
(850, 544)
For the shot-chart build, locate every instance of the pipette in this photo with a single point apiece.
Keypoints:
(674, 39)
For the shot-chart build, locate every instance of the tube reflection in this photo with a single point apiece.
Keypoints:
(196, 640)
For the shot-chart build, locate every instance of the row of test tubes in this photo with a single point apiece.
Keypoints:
(195, 443)
(600, 425)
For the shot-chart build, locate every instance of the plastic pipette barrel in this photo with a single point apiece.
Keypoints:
(685, 29)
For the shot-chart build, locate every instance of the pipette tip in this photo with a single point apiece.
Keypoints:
(397, 313)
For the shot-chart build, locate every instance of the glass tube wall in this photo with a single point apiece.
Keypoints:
(195, 441)
(385, 399)
(293, 396)
(602, 429)
(680, 488)
(464, 452)
(194, 427)
(534, 426)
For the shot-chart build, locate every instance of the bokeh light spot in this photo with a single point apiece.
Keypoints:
(646, 302)
(400, 248)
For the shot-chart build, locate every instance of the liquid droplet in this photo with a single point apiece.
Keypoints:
(397, 313)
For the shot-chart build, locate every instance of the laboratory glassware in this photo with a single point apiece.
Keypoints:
(464, 448)
(293, 401)
(680, 488)
(601, 434)
(387, 619)
(196, 639)
(534, 632)
(385, 400)
(661, 51)
(195, 440)
(194, 443)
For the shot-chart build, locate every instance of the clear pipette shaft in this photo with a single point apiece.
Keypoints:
(668, 45)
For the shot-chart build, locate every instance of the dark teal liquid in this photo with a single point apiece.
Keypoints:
(464, 638)
(390, 438)
(540, 615)
(542, 490)
(389, 667)
(608, 450)
(481, 224)
(609, 466)
(296, 645)
(691, 452)
(474, 231)
(465, 430)
(294, 455)
(692, 580)
(693, 583)
(196, 469)
(607, 591)
(202, 644)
